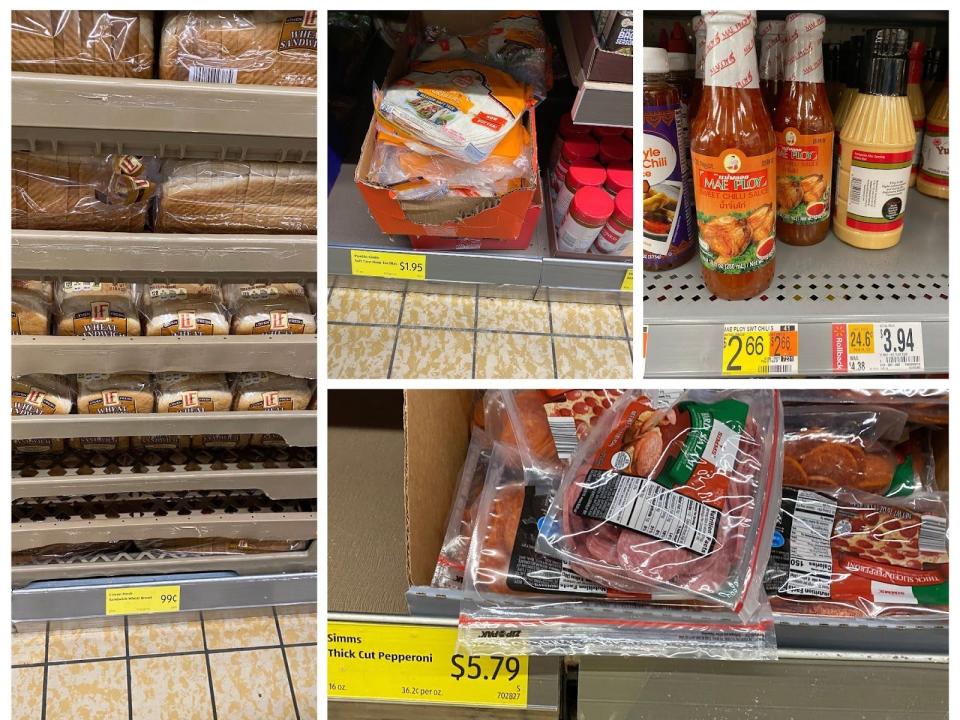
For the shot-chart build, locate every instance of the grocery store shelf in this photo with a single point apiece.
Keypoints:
(297, 427)
(75, 113)
(285, 354)
(74, 255)
(814, 287)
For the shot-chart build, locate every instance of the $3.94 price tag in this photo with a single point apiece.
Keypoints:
(754, 350)
(394, 265)
(417, 663)
(877, 347)
(141, 600)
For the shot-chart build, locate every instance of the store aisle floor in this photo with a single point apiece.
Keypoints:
(247, 665)
(387, 334)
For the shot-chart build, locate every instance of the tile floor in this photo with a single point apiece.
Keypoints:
(249, 665)
(388, 334)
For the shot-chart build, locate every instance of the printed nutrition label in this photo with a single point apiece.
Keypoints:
(811, 560)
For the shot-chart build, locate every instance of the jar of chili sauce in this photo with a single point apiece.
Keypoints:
(734, 151)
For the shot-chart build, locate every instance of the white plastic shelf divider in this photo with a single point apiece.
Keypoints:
(814, 287)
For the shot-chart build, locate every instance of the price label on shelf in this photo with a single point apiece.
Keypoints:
(877, 348)
(627, 284)
(394, 265)
(142, 600)
(417, 663)
(752, 350)
(645, 332)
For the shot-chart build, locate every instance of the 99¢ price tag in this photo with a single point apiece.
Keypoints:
(393, 265)
(142, 600)
(754, 350)
(877, 347)
(417, 663)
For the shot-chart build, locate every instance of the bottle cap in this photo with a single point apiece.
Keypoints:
(805, 24)
(885, 65)
(601, 132)
(592, 206)
(580, 148)
(586, 173)
(568, 129)
(623, 205)
(615, 150)
(655, 61)
(679, 62)
(619, 177)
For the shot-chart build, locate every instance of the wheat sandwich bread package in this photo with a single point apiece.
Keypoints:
(185, 309)
(270, 309)
(97, 309)
(32, 305)
(186, 393)
(270, 392)
(40, 395)
(111, 394)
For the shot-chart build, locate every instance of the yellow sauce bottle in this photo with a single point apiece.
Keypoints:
(934, 177)
(917, 107)
(876, 146)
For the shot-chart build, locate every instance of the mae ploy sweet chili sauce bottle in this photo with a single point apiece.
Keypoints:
(733, 148)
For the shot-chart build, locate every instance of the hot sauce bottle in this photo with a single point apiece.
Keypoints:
(934, 178)
(804, 127)
(771, 33)
(917, 107)
(733, 147)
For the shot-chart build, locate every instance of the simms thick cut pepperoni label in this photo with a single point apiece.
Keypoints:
(935, 166)
(736, 210)
(878, 190)
(804, 166)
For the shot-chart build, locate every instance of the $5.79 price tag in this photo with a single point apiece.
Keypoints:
(877, 347)
(754, 350)
(417, 663)
(393, 265)
(141, 600)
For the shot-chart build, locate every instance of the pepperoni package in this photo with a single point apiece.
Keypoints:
(683, 498)
(923, 406)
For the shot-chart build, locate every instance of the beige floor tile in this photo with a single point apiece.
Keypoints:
(628, 317)
(355, 351)
(508, 314)
(586, 319)
(28, 647)
(297, 627)
(433, 354)
(446, 311)
(240, 629)
(508, 356)
(149, 636)
(26, 688)
(77, 640)
(163, 688)
(251, 685)
(592, 358)
(303, 672)
(87, 691)
(354, 305)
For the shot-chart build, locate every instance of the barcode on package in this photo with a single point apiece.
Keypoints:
(811, 559)
(933, 534)
(647, 507)
(564, 431)
(856, 190)
(201, 74)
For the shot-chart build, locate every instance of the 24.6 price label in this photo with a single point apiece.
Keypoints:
(877, 347)
(756, 350)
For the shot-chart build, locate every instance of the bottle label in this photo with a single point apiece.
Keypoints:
(918, 126)
(667, 216)
(878, 190)
(804, 166)
(936, 155)
(736, 210)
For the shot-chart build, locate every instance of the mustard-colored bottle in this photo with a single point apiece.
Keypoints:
(917, 107)
(934, 176)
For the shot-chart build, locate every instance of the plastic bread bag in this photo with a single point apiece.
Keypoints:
(40, 394)
(463, 513)
(68, 192)
(184, 309)
(111, 43)
(458, 107)
(245, 47)
(270, 392)
(517, 600)
(843, 552)
(31, 307)
(200, 547)
(225, 196)
(683, 498)
(270, 309)
(854, 446)
(97, 309)
(923, 406)
(185, 393)
(111, 394)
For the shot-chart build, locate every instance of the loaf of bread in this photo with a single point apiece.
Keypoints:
(269, 392)
(40, 395)
(251, 47)
(270, 309)
(112, 43)
(32, 303)
(212, 196)
(99, 309)
(100, 394)
(185, 309)
(185, 393)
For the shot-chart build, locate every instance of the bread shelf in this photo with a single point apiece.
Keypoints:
(65, 355)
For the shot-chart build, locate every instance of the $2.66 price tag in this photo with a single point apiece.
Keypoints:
(760, 349)
(417, 663)
(394, 265)
(141, 600)
(877, 347)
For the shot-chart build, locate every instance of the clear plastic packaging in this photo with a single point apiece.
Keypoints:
(844, 552)
(66, 192)
(97, 309)
(270, 309)
(220, 196)
(41, 395)
(185, 309)
(270, 392)
(32, 307)
(923, 406)
(185, 393)
(246, 47)
(682, 498)
(109, 394)
(111, 43)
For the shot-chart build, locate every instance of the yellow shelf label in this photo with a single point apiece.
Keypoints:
(754, 350)
(141, 600)
(417, 663)
(879, 347)
(394, 265)
(627, 284)
(860, 338)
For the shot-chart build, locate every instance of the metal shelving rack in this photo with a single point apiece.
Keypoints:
(64, 113)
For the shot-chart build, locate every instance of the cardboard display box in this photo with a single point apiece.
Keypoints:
(598, 63)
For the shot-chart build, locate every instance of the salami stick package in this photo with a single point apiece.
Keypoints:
(844, 552)
(683, 498)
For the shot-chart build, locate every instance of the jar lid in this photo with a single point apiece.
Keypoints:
(602, 132)
(619, 177)
(615, 150)
(592, 205)
(586, 173)
(679, 62)
(655, 61)
(623, 205)
(580, 147)
(568, 129)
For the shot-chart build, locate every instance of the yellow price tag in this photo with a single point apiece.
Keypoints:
(417, 663)
(753, 350)
(627, 284)
(860, 338)
(141, 600)
(395, 265)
